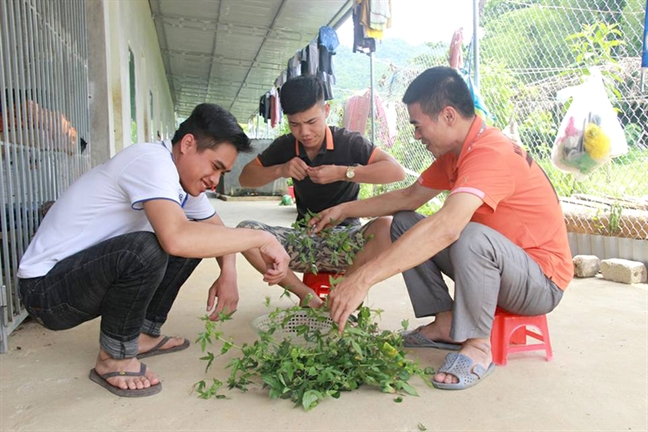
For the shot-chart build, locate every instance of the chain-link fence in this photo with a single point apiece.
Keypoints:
(529, 51)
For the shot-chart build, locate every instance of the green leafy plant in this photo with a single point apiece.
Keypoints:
(614, 218)
(300, 354)
(609, 224)
(313, 362)
(342, 245)
(594, 46)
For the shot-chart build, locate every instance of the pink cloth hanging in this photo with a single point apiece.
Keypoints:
(456, 55)
(356, 112)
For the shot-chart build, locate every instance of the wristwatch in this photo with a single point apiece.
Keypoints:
(350, 172)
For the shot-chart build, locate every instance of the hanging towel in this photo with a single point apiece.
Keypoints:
(379, 14)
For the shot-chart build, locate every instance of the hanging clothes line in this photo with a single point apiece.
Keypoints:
(370, 19)
(315, 59)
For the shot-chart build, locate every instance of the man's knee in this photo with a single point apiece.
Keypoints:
(379, 226)
(148, 250)
(250, 224)
(402, 221)
(473, 239)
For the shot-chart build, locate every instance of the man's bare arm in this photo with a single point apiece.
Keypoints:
(255, 175)
(386, 204)
(180, 237)
(419, 243)
(383, 169)
(227, 263)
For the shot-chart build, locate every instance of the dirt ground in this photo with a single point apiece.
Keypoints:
(598, 379)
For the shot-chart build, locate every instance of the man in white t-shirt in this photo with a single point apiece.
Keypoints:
(122, 240)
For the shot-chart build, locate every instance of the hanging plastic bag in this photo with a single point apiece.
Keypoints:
(590, 135)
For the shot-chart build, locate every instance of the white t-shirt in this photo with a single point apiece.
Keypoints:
(106, 202)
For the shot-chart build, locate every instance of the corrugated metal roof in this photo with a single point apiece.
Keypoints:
(230, 52)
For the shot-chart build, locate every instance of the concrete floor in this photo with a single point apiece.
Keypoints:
(596, 381)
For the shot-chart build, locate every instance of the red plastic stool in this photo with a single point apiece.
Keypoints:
(509, 335)
(320, 282)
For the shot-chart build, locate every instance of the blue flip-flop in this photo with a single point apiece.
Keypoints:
(414, 339)
(460, 366)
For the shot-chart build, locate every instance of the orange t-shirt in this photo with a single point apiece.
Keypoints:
(519, 200)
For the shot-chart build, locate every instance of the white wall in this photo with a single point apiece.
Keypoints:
(129, 24)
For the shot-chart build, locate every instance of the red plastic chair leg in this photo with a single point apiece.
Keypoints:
(509, 334)
(320, 282)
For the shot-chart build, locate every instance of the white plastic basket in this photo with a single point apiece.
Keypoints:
(290, 328)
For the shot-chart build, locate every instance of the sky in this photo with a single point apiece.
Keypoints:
(418, 21)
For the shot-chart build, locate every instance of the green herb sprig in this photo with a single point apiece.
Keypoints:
(342, 245)
(314, 364)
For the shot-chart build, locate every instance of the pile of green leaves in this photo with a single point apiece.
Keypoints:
(342, 245)
(314, 364)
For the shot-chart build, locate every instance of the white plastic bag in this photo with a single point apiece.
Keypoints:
(590, 135)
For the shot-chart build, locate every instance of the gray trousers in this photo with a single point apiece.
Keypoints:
(488, 270)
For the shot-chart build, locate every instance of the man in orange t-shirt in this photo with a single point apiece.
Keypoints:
(500, 234)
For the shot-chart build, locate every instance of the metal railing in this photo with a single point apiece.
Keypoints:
(44, 125)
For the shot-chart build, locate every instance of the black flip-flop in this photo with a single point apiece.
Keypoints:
(156, 350)
(101, 380)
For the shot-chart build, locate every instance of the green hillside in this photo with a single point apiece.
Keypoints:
(352, 69)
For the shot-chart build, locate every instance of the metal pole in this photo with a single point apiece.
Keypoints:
(476, 42)
(644, 55)
(371, 94)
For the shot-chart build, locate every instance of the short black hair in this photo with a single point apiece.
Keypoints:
(438, 87)
(212, 126)
(301, 93)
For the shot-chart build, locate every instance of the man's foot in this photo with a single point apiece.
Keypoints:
(146, 344)
(439, 329)
(477, 350)
(106, 364)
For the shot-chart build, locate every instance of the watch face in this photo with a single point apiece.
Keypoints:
(350, 173)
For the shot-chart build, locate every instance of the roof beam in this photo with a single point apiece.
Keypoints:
(239, 29)
(223, 60)
(256, 57)
(215, 40)
(162, 37)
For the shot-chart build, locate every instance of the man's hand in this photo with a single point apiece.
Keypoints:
(326, 174)
(295, 168)
(329, 217)
(345, 298)
(226, 290)
(276, 259)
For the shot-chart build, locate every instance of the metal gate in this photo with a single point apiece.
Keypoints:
(44, 125)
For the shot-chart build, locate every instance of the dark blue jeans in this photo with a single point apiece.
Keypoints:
(129, 280)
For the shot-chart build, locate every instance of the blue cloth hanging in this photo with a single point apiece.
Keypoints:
(329, 38)
(480, 106)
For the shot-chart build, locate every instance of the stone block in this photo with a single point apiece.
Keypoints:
(622, 270)
(586, 266)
